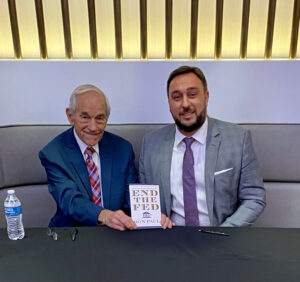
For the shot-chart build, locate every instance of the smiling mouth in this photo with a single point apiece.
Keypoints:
(187, 114)
(92, 133)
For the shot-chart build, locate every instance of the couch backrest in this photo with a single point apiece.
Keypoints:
(276, 146)
(277, 149)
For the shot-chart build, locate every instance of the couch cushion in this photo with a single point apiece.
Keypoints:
(19, 147)
(277, 150)
(283, 206)
(276, 147)
(38, 206)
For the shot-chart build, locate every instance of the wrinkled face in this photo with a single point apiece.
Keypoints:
(89, 119)
(188, 102)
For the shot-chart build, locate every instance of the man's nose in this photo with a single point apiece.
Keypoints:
(92, 125)
(185, 101)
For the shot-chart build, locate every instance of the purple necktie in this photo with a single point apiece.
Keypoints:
(189, 185)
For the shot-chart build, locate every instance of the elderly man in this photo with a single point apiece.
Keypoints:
(206, 168)
(89, 169)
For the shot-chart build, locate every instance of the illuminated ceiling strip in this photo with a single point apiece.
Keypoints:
(270, 29)
(181, 29)
(67, 28)
(206, 29)
(143, 23)
(105, 29)
(6, 45)
(169, 15)
(270, 37)
(295, 30)
(156, 32)
(219, 25)
(54, 29)
(194, 29)
(14, 28)
(118, 29)
(245, 27)
(93, 29)
(41, 28)
(257, 29)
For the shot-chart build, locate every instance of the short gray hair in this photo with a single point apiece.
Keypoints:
(83, 89)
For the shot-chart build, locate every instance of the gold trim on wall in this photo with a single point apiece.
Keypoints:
(194, 29)
(219, 26)
(14, 28)
(143, 23)
(169, 15)
(245, 27)
(295, 30)
(118, 29)
(93, 29)
(270, 29)
(41, 28)
(67, 28)
(150, 29)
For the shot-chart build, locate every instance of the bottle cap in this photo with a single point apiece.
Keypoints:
(10, 192)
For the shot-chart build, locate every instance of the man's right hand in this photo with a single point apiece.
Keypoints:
(116, 220)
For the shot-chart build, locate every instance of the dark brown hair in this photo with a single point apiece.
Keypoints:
(187, 69)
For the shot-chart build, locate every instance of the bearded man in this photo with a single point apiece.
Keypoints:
(206, 169)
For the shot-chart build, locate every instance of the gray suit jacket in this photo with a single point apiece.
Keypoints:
(235, 197)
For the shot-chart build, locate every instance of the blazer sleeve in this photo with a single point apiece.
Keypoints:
(67, 194)
(251, 192)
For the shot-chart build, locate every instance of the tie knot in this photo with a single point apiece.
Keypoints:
(188, 141)
(89, 151)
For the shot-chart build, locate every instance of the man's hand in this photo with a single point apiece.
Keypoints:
(166, 222)
(116, 220)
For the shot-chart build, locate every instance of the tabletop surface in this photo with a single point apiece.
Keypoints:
(180, 254)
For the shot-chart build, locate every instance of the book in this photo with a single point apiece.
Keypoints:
(145, 205)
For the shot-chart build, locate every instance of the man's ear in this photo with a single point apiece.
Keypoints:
(69, 116)
(206, 97)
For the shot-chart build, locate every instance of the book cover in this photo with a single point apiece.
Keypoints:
(145, 205)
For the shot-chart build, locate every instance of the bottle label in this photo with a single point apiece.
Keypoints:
(13, 211)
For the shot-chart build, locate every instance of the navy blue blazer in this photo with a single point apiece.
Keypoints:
(69, 183)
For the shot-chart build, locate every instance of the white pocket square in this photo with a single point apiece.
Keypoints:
(222, 171)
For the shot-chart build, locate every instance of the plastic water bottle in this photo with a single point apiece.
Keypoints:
(13, 214)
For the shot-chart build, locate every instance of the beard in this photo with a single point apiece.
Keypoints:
(193, 127)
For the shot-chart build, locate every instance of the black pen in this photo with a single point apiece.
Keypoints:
(213, 232)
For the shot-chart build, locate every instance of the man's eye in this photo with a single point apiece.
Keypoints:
(192, 94)
(100, 119)
(176, 97)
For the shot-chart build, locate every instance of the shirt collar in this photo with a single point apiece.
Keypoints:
(200, 135)
(83, 146)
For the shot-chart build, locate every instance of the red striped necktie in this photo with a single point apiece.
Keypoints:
(94, 176)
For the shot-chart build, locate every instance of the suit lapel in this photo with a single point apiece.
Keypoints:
(75, 156)
(106, 160)
(165, 155)
(212, 149)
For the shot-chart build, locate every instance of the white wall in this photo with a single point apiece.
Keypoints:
(253, 91)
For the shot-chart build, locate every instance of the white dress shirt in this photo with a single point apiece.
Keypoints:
(198, 148)
(96, 156)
